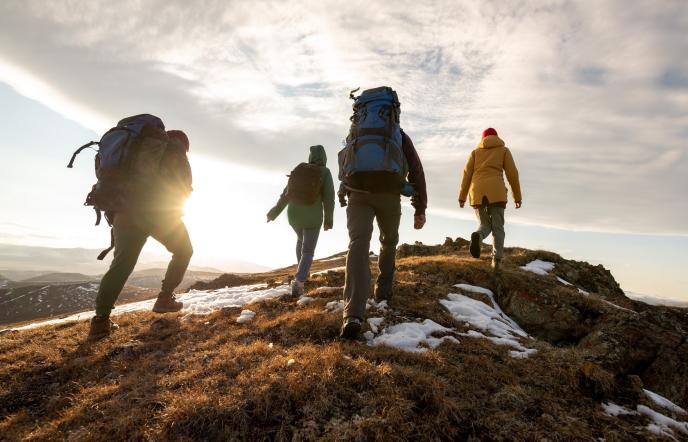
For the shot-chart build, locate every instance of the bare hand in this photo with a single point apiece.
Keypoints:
(269, 219)
(418, 222)
(462, 203)
(518, 204)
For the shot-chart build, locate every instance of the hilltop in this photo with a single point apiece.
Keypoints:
(553, 350)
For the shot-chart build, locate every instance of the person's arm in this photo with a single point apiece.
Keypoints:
(512, 176)
(467, 178)
(279, 207)
(416, 175)
(328, 199)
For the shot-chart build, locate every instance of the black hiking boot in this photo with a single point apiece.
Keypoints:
(351, 328)
(383, 293)
(101, 326)
(475, 244)
(497, 266)
(167, 304)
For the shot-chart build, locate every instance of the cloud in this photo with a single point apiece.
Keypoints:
(592, 100)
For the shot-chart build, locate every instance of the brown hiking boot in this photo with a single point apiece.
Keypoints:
(167, 304)
(101, 326)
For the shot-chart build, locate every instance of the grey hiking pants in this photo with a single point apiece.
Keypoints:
(362, 210)
(491, 220)
(131, 234)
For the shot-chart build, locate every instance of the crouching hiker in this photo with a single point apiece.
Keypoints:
(483, 178)
(373, 168)
(144, 179)
(309, 196)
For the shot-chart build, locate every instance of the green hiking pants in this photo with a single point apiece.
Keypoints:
(362, 210)
(130, 234)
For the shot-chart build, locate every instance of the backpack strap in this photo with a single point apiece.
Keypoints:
(78, 151)
(104, 253)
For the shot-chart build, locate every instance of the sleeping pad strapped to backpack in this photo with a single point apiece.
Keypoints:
(127, 166)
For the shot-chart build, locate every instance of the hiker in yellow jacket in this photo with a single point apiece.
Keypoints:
(483, 179)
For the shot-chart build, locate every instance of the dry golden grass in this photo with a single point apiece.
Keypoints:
(209, 378)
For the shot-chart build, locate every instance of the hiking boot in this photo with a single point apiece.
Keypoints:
(497, 265)
(383, 294)
(475, 244)
(297, 288)
(101, 326)
(351, 328)
(167, 304)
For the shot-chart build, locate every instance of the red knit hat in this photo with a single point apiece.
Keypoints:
(179, 136)
(489, 131)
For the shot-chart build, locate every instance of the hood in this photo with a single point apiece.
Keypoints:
(318, 155)
(490, 141)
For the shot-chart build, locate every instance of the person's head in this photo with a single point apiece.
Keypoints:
(180, 137)
(489, 131)
(318, 155)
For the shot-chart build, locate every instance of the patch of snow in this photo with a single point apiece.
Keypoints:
(619, 307)
(539, 267)
(563, 281)
(246, 316)
(408, 336)
(612, 409)
(334, 306)
(653, 300)
(369, 336)
(490, 319)
(324, 272)
(662, 425)
(583, 292)
(664, 402)
(305, 300)
(382, 305)
(196, 302)
(326, 290)
(375, 323)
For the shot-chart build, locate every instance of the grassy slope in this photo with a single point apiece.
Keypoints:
(211, 378)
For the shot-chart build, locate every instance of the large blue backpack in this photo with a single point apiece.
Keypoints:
(127, 165)
(374, 140)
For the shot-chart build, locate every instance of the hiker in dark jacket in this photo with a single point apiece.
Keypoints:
(158, 213)
(306, 219)
(374, 195)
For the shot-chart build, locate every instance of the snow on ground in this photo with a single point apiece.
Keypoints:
(246, 316)
(408, 336)
(662, 425)
(334, 306)
(324, 272)
(563, 281)
(612, 409)
(664, 402)
(305, 300)
(583, 292)
(375, 323)
(539, 267)
(486, 318)
(325, 290)
(196, 302)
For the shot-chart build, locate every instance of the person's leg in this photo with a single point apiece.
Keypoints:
(483, 231)
(299, 243)
(309, 241)
(359, 216)
(388, 214)
(172, 233)
(497, 226)
(129, 240)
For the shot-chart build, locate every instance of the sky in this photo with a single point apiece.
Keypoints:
(591, 98)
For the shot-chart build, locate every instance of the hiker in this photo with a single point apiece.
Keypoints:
(373, 167)
(483, 178)
(309, 196)
(144, 178)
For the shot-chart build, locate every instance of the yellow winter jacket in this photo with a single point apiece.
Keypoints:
(483, 176)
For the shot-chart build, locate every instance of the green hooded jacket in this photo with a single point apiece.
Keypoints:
(303, 216)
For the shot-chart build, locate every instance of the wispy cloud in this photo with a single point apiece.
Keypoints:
(592, 99)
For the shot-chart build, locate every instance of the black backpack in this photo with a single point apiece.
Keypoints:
(304, 184)
(127, 166)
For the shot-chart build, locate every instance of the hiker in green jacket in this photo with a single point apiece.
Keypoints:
(307, 213)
